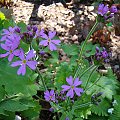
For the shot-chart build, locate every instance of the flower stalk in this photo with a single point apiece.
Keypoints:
(43, 82)
(84, 44)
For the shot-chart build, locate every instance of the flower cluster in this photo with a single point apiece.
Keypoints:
(49, 95)
(11, 39)
(10, 42)
(107, 12)
(102, 55)
(71, 88)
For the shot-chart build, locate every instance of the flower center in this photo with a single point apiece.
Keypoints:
(49, 40)
(24, 61)
(72, 87)
(10, 51)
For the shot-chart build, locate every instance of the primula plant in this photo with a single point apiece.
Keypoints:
(74, 90)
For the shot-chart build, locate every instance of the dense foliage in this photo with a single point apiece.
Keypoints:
(76, 89)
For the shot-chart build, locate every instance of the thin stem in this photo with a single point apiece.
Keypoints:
(43, 82)
(83, 46)
(44, 109)
(40, 98)
(82, 105)
(92, 84)
(9, 98)
(87, 70)
(87, 38)
(90, 76)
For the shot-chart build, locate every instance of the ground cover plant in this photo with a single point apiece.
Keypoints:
(32, 74)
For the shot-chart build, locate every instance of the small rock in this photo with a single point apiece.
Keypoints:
(90, 8)
(75, 37)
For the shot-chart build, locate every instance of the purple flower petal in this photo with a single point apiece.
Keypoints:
(5, 47)
(5, 32)
(52, 47)
(46, 92)
(102, 10)
(3, 38)
(10, 57)
(78, 91)
(70, 80)
(57, 42)
(47, 98)
(70, 93)
(105, 9)
(51, 34)
(17, 63)
(32, 64)
(77, 82)
(30, 54)
(22, 70)
(19, 70)
(11, 29)
(44, 42)
(43, 35)
(53, 98)
(4, 55)
(21, 56)
(113, 9)
(52, 92)
(65, 87)
(16, 52)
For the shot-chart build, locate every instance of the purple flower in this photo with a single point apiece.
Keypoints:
(13, 40)
(42, 52)
(48, 40)
(11, 52)
(17, 29)
(38, 33)
(29, 28)
(34, 28)
(113, 9)
(51, 109)
(7, 32)
(25, 61)
(67, 118)
(102, 55)
(72, 87)
(102, 9)
(49, 96)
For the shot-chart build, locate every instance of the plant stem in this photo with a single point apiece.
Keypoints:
(9, 98)
(90, 77)
(82, 105)
(87, 38)
(43, 82)
(92, 84)
(40, 98)
(87, 70)
(44, 109)
(83, 46)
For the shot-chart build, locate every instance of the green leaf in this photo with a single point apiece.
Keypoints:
(2, 93)
(32, 112)
(102, 108)
(24, 46)
(12, 105)
(15, 84)
(70, 49)
(35, 45)
(116, 113)
(22, 25)
(62, 72)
